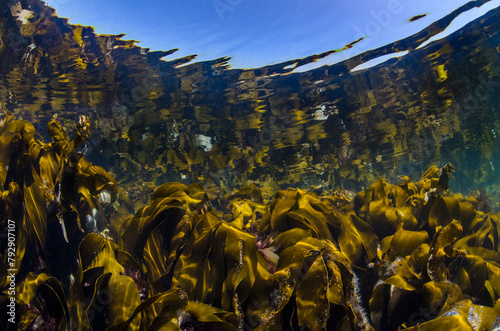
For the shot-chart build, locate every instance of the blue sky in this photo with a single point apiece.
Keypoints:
(258, 32)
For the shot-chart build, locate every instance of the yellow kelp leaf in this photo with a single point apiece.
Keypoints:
(192, 271)
(168, 189)
(219, 264)
(408, 185)
(399, 282)
(275, 220)
(314, 211)
(90, 246)
(392, 305)
(443, 211)
(395, 286)
(212, 291)
(202, 316)
(100, 180)
(406, 216)
(440, 296)
(383, 217)
(483, 240)
(404, 242)
(376, 206)
(155, 260)
(335, 293)
(449, 323)
(45, 294)
(357, 237)
(60, 138)
(113, 295)
(163, 212)
(462, 279)
(494, 278)
(350, 244)
(294, 264)
(106, 258)
(27, 290)
(418, 258)
(10, 201)
(14, 136)
(114, 300)
(180, 236)
(398, 273)
(11, 207)
(283, 283)
(292, 257)
(362, 199)
(136, 271)
(250, 192)
(126, 260)
(478, 317)
(376, 305)
(312, 304)
(291, 237)
(242, 213)
(436, 180)
(170, 302)
(57, 133)
(385, 244)
(399, 195)
(196, 191)
(378, 190)
(243, 263)
(291, 209)
(50, 166)
(317, 225)
(430, 178)
(483, 276)
(467, 215)
(476, 274)
(34, 199)
(442, 239)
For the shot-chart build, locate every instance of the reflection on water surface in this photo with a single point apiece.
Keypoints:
(155, 120)
(240, 249)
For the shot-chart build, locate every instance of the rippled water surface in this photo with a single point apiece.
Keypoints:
(211, 196)
(156, 118)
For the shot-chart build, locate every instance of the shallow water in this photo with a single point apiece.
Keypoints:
(244, 134)
(333, 127)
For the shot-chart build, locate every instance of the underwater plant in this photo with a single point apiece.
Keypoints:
(411, 256)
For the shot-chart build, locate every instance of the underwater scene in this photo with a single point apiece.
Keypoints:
(144, 191)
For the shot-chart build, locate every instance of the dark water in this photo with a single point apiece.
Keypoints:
(155, 118)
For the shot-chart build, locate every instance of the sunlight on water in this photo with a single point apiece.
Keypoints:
(464, 19)
(378, 60)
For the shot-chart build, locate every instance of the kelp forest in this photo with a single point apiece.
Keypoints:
(139, 191)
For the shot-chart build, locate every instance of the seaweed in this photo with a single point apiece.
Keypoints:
(410, 256)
